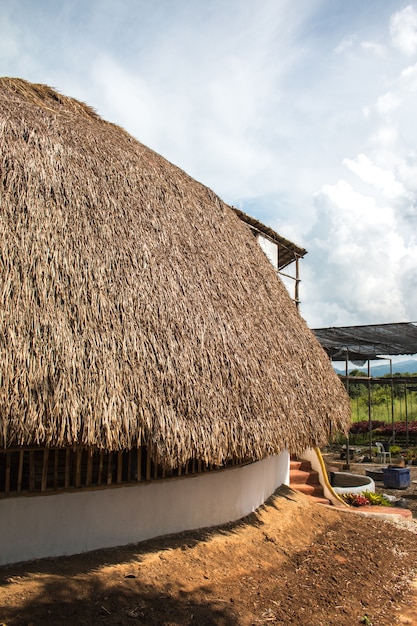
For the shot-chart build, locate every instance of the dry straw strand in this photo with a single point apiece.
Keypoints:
(137, 308)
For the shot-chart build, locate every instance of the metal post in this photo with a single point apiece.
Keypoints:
(392, 402)
(406, 415)
(347, 464)
(369, 409)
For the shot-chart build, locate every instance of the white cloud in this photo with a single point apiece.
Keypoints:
(359, 256)
(407, 170)
(384, 137)
(376, 48)
(365, 246)
(381, 180)
(408, 78)
(388, 102)
(346, 44)
(403, 30)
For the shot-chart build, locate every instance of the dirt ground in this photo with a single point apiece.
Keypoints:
(291, 562)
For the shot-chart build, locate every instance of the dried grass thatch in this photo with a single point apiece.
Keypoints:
(136, 306)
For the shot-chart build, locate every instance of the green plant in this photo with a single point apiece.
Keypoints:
(365, 499)
(395, 450)
(376, 499)
(410, 453)
(355, 499)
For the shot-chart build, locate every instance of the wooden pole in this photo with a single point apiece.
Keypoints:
(347, 464)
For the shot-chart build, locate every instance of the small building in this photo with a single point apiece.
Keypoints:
(155, 374)
(281, 252)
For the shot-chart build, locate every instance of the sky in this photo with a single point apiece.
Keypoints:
(298, 112)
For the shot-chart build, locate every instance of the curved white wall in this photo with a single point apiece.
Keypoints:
(69, 523)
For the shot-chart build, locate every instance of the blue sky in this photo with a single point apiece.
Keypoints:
(299, 112)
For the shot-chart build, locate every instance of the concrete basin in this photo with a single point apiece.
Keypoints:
(343, 482)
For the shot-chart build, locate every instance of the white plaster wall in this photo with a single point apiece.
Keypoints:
(270, 248)
(70, 523)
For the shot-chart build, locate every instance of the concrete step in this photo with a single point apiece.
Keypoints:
(297, 464)
(308, 490)
(299, 476)
(306, 480)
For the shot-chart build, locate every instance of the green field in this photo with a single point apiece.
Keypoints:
(384, 409)
(387, 404)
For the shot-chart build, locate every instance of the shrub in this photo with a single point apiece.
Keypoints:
(355, 499)
(366, 498)
(376, 499)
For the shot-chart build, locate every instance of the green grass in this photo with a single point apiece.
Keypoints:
(383, 410)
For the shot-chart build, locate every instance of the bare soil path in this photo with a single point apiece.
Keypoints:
(292, 562)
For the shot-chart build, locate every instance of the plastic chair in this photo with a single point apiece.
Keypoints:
(382, 454)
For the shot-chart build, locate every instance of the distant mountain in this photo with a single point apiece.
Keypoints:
(403, 367)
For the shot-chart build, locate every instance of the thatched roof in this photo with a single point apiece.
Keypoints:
(288, 252)
(136, 306)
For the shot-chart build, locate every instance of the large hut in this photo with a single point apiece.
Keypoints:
(146, 342)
